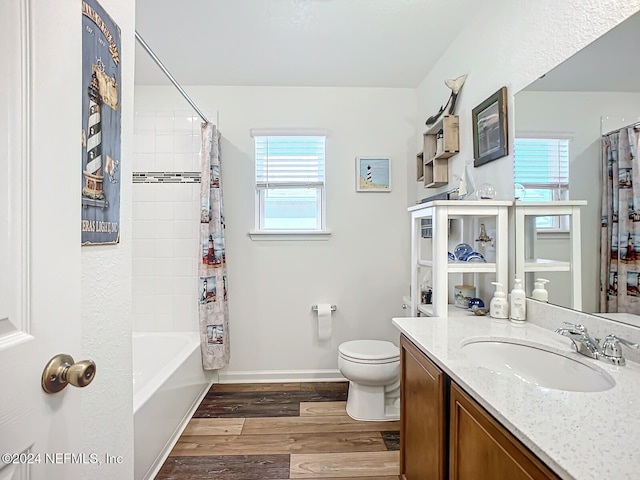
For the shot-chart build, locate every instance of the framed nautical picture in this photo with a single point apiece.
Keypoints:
(373, 174)
(490, 128)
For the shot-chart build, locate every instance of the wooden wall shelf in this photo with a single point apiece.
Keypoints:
(436, 172)
(420, 166)
(441, 142)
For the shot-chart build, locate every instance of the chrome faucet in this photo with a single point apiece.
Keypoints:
(581, 339)
(610, 351)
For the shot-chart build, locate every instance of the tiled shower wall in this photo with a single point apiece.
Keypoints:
(166, 208)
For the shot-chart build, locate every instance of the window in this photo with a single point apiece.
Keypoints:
(541, 173)
(290, 192)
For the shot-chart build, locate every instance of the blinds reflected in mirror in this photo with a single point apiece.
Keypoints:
(541, 173)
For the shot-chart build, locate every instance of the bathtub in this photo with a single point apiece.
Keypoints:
(168, 385)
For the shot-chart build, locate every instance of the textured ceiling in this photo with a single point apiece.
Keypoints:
(609, 64)
(364, 43)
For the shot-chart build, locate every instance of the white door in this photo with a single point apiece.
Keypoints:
(39, 236)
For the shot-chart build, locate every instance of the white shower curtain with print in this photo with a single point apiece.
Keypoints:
(620, 237)
(212, 270)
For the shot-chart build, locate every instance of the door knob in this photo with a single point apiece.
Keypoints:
(62, 370)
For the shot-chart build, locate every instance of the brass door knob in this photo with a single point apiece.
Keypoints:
(62, 370)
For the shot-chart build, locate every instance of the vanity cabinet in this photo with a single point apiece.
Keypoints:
(469, 214)
(445, 434)
(478, 443)
(423, 416)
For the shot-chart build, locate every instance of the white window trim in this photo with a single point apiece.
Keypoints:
(290, 132)
(270, 235)
(542, 134)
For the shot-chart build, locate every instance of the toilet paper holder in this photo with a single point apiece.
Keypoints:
(315, 308)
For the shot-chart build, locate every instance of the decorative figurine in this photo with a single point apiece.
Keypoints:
(455, 85)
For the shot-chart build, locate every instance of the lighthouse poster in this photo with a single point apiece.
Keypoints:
(100, 165)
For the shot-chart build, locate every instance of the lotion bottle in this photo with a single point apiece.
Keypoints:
(518, 310)
(540, 292)
(499, 308)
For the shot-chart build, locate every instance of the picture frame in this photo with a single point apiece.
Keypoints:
(373, 174)
(490, 129)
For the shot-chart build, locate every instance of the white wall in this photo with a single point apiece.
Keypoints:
(107, 405)
(578, 115)
(510, 44)
(362, 268)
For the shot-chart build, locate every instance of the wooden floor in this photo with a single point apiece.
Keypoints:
(282, 431)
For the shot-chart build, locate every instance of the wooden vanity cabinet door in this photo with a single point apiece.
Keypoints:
(482, 448)
(423, 438)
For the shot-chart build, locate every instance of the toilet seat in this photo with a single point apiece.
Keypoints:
(369, 351)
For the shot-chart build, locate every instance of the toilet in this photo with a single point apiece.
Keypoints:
(373, 370)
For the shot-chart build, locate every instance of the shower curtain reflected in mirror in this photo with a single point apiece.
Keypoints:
(620, 233)
(212, 270)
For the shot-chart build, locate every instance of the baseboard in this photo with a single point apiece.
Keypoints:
(276, 376)
(153, 471)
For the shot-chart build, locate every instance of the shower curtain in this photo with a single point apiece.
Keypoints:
(620, 233)
(212, 270)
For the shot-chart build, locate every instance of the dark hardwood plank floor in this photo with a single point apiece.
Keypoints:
(227, 467)
(281, 431)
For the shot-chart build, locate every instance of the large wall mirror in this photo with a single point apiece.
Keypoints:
(569, 109)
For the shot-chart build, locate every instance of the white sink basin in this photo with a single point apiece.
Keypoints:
(537, 366)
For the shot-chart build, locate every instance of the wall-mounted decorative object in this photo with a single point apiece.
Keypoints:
(100, 179)
(373, 174)
(490, 128)
(455, 85)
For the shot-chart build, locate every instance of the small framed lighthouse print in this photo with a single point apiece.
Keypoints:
(373, 174)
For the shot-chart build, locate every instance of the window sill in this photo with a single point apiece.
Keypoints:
(290, 235)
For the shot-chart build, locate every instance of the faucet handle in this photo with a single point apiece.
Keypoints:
(575, 327)
(611, 350)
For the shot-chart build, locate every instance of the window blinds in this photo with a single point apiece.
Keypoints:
(289, 161)
(541, 163)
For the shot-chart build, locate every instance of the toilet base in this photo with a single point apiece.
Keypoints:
(372, 404)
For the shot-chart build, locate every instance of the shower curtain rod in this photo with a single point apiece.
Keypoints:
(155, 58)
(634, 125)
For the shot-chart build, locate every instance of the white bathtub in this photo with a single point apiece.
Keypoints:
(168, 385)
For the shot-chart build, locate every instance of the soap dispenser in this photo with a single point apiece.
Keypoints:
(540, 292)
(499, 308)
(518, 310)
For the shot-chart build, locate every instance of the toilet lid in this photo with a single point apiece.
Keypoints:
(369, 350)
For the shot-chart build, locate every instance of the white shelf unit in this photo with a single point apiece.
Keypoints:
(470, 212)
(525, 214)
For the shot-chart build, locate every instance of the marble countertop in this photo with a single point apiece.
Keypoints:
(579, 435)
